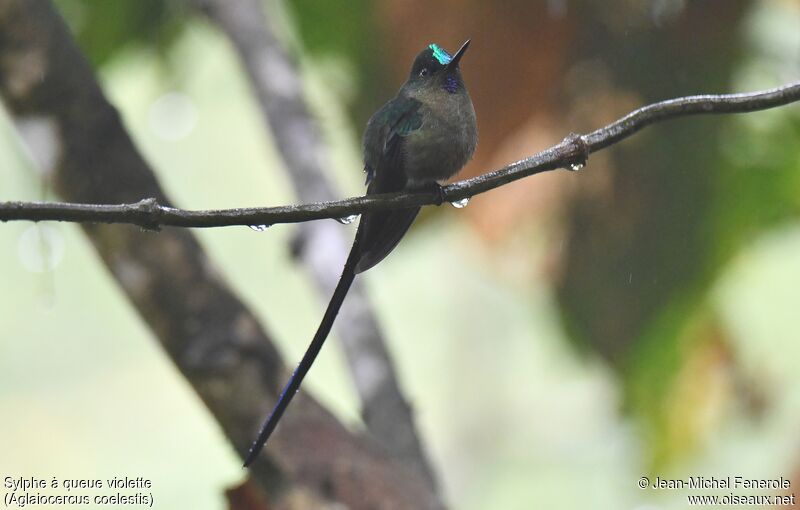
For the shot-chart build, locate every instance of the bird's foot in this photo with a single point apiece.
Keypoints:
(439, 192)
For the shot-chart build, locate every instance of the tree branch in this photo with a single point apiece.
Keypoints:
(573, 150)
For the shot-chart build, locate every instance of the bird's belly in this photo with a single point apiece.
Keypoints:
(435, 155)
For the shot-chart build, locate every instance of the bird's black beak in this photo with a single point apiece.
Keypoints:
(453, 64)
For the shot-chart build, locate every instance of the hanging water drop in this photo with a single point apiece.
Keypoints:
(346, 220)
(575, 166)
(460, 204)
(260, 228)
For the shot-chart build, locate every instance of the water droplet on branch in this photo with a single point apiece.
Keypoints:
(346, 220)
(260, 228)
(575, 166)
(460, 204)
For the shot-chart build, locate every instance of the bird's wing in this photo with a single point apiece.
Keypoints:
(383, 141)
(384, 151)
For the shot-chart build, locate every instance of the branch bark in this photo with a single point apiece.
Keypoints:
(571, 153)
(208, 333)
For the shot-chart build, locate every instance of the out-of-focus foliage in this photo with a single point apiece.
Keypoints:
(761, 187)
(349, 31)
(754, 161)
(103, 28)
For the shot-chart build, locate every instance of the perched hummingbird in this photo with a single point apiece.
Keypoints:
(421, 137)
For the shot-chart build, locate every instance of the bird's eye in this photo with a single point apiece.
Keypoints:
(424, 71)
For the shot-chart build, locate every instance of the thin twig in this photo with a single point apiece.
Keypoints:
(573, 150)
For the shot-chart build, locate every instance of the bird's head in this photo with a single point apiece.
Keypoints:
(434, 67)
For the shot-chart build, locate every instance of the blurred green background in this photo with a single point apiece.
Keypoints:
(558, 338)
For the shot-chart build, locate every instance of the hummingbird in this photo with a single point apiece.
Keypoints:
(414, 142)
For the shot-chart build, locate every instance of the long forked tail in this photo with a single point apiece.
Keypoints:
(348, 275)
